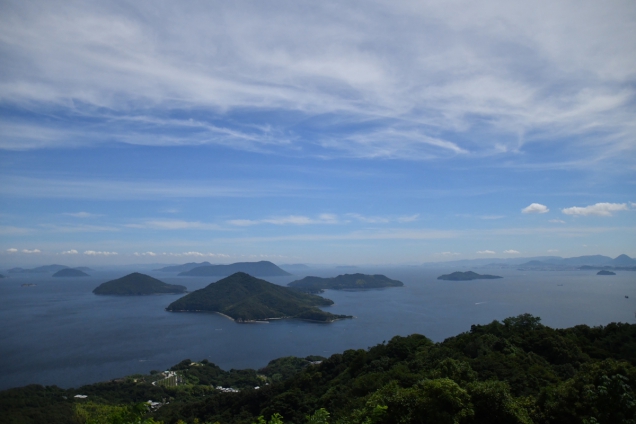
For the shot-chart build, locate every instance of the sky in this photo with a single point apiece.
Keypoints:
(332, 132)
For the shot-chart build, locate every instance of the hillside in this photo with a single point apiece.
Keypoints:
(137, 284)
(37, 270)
(466, 276)
(70, 272)
(343, 282)
(184, 267)
(260, 269)
(246, 298)
(515, 371)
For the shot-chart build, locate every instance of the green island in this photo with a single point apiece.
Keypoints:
(344, 282)
(261, 269)
(605, 272)
(466, 276)
(515, 371)
(245, 298)
(70, 272)
(137, 284)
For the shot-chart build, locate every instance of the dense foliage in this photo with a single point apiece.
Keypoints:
(343, 282)
(515, 371)
(246, 298)
(137, 284)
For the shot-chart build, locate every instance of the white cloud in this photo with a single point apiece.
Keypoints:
(145, 254)
(82, 215)
(511, 252)
(557, 221)
(31, 251)
(12, 250)
(492, 217)
(324, 218)
(599, 209)
(552, 250)
(486, 252)
(175, 225)
(424, 74)
(411, 218)
(97, 253)
(535, 208)
(70, 252)
(447, 254)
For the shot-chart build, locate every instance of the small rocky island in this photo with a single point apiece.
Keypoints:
(466, 276)
(344, 282)
(70, 272)
(245, 298)
(605, 272)
(137, 284)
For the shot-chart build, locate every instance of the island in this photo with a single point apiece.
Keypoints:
(1, 276)
(137, 284)
(262, 269)
(70, 272)
(466, 276)
(244, 298)
(344, 282)
(184, 267)
(605, 272)
(40, 269)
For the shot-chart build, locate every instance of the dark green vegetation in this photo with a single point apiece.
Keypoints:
(343, 282)
(184, 267)
(515, 371)
(261, 269)
(70, 272)
(465, 276)
(137, 284)
(604, 272)
(246, 298)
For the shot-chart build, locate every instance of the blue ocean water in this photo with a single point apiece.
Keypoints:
(59, 333)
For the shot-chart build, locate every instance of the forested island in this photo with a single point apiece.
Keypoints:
(515, 371)
(344, 282)
(137, 284)
(605, 272)
(245, 298)
(260, 269)
(70, 272)
(466, 276)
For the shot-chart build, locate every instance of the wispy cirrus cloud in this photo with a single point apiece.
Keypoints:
(175, 225)
(82, 214)
(598, 209)
(325, 218)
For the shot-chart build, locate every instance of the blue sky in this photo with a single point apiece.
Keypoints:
(301, 132)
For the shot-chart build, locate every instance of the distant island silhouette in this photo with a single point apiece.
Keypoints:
(261, 269)
(466, 276)
(137, 284)
(605, 272)
(343, 282)
(70, 272)
(245, 298)
(184, 267)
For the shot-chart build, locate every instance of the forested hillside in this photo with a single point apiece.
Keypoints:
(515, 371)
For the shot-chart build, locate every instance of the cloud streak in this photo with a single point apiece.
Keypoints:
(598, 209)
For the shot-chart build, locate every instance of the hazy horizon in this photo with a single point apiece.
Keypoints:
(328, 133)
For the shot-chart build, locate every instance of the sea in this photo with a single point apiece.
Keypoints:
(57, 332)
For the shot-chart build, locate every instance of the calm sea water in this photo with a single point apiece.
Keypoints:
(58, 332)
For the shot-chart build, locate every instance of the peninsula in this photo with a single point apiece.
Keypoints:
(605, 272)
(344, 282)
(261, 269)
(245, 298)
(466, 276)
(184, 267)
(70, 272)
(137, 284)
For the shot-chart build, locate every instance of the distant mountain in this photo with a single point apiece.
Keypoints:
(295, 267)
(587, 260)
(623, 260)
(84, 268)
(343, 282)
(261, 269)
(245, 298)
(40, 269)
(183, 268)
(605, 272)
(136, 284)
(70, 272)
(466, 276)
